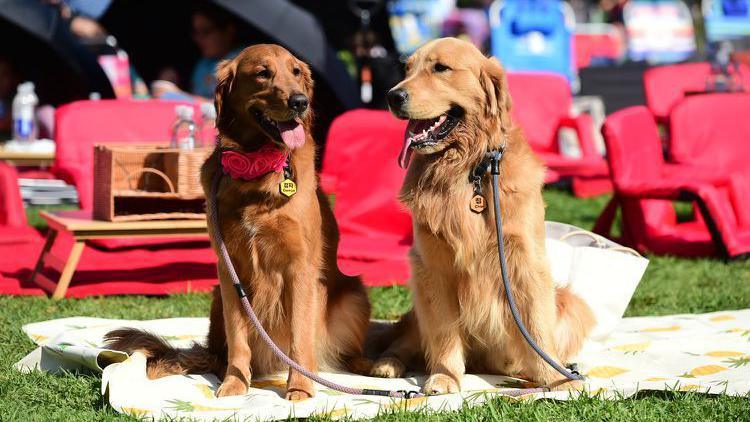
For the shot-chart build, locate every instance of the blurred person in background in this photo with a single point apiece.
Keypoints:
(83, 17)
(214, 32)
(609, 11)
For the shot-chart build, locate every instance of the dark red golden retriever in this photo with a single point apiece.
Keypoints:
(282, 247)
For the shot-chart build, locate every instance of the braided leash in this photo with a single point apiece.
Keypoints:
(213, 212)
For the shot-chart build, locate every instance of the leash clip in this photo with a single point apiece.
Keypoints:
(573, 368)
(410, 394)
(494, 157)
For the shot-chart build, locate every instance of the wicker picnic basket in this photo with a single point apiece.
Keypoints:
(148, 182)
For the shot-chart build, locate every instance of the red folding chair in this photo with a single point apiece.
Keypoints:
(541, 107)
(645, 187)
(14, 228)
(597, 41)
(665, 86)
(360, 169)
(156, 267)
(713, 131)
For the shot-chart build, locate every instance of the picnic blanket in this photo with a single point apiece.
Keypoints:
(707, 353)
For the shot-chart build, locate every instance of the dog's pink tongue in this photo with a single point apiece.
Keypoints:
(292, 133)
(405, 156)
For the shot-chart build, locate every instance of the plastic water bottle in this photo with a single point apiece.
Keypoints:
(183, 131)
(208, 117)
(24, 113)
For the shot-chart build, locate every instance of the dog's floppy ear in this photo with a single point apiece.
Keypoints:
(225, 72)
(495, 86)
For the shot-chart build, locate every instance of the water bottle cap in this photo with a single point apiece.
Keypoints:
(208, 111)
(184, 112)
(26, 87)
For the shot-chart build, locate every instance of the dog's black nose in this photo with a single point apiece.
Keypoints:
(298, 102)
(397, 98)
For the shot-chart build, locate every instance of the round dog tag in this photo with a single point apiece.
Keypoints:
(288, 187)
(478, 204)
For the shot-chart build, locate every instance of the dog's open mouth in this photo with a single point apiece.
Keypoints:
(423, 134)
(291, 132)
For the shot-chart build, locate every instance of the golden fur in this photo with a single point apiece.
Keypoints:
(460, 318)
(283, 249)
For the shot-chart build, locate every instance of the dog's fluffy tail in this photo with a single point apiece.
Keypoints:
(163, 359)
(574, 322)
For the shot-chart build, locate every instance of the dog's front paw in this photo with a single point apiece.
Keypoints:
(359, 365)
(232, 386)
(388, 367)
(298, 395)
(440, 384)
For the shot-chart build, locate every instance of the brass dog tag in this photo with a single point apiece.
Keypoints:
(478, 204)
(288, 187)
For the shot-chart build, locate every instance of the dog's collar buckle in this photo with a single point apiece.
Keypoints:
(490, 162)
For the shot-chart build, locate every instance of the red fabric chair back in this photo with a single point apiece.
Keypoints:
(604, 41)
(665, 86)
(360, 168)
(633, 146)
(540, 101)
(82, 124)
(12, 213)
(361, 155)
(711, 130)
(634, 155)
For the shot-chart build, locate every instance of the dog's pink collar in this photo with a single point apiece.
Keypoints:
(253, 165)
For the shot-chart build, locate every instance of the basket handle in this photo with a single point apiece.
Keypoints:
(590, 235)
(159, 173)
(625, 249)
(599, 242)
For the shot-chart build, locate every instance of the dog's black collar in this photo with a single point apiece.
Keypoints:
(288, 171)
(489, 161)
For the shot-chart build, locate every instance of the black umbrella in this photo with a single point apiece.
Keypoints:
(42, 46)
(301, 33)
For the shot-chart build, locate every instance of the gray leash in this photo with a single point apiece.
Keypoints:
(494, 158)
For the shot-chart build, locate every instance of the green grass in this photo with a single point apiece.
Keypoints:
(670, 285)
(34, 220)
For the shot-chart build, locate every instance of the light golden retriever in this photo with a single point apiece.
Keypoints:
(458, 107)
(283, 248)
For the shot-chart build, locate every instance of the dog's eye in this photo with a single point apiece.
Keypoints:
(263, 74)
(439, 67)
(296, 71)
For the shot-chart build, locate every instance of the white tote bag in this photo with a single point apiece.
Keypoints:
(603, 273)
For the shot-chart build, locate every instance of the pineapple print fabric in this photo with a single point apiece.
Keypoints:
(707, 353)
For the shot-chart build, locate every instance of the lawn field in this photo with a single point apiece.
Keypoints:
(671, 285)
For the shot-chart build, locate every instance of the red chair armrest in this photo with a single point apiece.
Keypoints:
(12, 213)
(686, 173)
(583, 124)
(666, 189)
